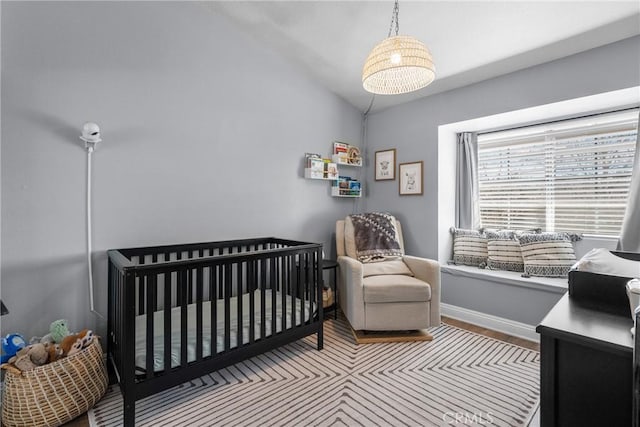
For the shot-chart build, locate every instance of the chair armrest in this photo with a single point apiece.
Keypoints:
(427, 270)
(353, 266)
(350, 291)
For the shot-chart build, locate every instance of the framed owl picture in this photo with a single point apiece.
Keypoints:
(386, 165)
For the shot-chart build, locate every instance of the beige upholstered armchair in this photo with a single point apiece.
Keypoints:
(398, 294)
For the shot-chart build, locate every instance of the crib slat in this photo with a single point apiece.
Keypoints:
(213, 298)
(251, 284)
(302, 275)
(190, 286)
(220, 281)
(310, 286)
(296, 282)
(141, 298)
(167, 322)
(227, 307)
(286, 272)
(317, 281)
(151, 300)
(241, 281)
(182, 288)
(274, 289)
(263, 306)
(199, 297)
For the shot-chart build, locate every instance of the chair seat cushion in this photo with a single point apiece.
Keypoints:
(395, 288)
(396, 266)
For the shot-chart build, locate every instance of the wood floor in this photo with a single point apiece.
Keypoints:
(493, 334)
(83, 421)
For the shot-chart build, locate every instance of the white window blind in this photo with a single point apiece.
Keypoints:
(571, 175)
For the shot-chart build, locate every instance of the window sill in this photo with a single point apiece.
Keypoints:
(548, 284)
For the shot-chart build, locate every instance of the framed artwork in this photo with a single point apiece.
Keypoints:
(410, 178)
(386, 165)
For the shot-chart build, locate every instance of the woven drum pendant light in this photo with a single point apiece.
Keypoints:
(398, 64)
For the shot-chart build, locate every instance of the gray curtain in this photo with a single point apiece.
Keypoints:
(467, 209)
(630, 234)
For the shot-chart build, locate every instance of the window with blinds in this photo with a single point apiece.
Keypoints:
(571, 175)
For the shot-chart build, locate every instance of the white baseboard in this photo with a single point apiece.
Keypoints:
(500, 324)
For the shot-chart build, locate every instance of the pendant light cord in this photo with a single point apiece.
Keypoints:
(365, 153)
(394, 18)
(365, 116)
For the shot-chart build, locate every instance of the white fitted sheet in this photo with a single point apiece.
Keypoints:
(176, 327)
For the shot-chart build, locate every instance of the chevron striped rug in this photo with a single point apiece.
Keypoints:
(459, 378)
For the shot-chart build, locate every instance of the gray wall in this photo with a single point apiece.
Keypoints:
(204, 133)
(413, 130)
(497, 298)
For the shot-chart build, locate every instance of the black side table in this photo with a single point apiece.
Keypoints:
(329, 264)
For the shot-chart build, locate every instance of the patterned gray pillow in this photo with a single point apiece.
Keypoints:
(547, 254)
(503, 251)
(469, 247)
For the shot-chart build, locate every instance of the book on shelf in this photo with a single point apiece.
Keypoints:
(340, 147)
(340, 150)
(316, 167)
(331, 170)
(346, 153)
(342, 181)
(311, 156)
(353, 156)
(348, 186)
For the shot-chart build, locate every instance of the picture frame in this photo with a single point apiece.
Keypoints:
(410, 179)
(385, 165)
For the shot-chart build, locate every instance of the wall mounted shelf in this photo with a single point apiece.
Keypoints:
(322, 169)
(336, 192)
(309, 174)
(337, 159)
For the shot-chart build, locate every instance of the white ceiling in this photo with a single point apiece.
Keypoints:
(470, 40)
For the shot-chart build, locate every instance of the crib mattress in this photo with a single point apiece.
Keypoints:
(176, 327)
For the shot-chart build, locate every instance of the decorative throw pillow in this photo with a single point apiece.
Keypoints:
(469, 247)
(547, 254)
(503, 251)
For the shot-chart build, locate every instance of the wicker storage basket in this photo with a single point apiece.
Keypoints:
(52, 394)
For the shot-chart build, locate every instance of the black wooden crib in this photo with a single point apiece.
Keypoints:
(178, 312)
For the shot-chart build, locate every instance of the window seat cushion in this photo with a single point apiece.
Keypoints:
(553, 284)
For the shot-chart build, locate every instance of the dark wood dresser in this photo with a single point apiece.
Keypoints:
(586, 367)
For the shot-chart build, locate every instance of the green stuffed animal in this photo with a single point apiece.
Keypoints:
(57, 331)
